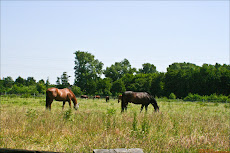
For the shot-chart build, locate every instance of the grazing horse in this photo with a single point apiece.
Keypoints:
(119, 98)
(142, 98)
(98, 97)
(60, 95)
(84, 96)
(107, 98)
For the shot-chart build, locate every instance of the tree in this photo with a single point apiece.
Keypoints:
(58, 82)
(8, 82)
(178, 79)
(118, 87)
(87, 71)
(142, 83)
(30, 81)
(158, 84)
(119, 69)
(104, 86)
(41, 87)
(63, 81)
(76, 90)
(129, 80)
(47, 83)
(147, 68)
(20, 81)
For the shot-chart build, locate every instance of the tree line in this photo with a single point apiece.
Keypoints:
(180, 80)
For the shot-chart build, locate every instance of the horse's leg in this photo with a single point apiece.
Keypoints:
(48, 104)
(126, 106)
(63, 105)
(69, 103)
(142, 106)
(48, 101)
(146, 107)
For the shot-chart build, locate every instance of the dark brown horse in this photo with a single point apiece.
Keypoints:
(84, 96)
(142, 98)
(60, 95)
(107, 98)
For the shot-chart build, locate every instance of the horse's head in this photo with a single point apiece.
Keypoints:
(154, 103)
(76, 106)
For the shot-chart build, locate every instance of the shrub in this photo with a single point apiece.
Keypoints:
(172, 96)
(193, 97)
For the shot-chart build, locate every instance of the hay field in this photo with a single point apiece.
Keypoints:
(178, 127)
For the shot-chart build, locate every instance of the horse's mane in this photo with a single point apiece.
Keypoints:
(72, 93)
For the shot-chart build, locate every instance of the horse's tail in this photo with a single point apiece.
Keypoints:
(47, 99)
(74, 99)
(123, 103)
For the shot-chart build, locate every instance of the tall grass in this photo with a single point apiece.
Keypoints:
(178, 127)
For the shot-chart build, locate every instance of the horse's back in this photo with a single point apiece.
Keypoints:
(51, 92)
(59, 94)
(136, 97)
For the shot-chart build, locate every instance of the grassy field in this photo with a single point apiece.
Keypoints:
(178, 127)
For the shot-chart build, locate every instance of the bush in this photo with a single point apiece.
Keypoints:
(212, 98)
(26, 96)
(76, 90)
(172, 96)
(193, 97)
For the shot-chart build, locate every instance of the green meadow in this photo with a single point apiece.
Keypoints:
(97, 124)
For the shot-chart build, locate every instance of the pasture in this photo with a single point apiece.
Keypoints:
(178, 127)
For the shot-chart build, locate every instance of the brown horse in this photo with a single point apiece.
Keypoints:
(60, 95)
(84, 96)
(98, 97)
(142, 98)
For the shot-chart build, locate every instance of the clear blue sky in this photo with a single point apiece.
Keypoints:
(38, 38)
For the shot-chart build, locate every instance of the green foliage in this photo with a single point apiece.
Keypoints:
(118, 87)
(185, 80)
(8, 82)
(193, 97)
(23, 90)
(111, 111)
(68, 115)
(104, 87)
(134, 124)
(119, 69)
(87, 71)
(227, 105)
(41, 87)
(30, 81)
(172, 96)
(63, 81)
(147, 68)
(76, 90)
(212, 98)
(26, 96)
(20, 81)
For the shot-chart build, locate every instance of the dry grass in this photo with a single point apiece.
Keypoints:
(178, 127)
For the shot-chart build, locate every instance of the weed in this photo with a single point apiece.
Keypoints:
(111, 111)
(134, 121)
(227, 105)
(68, 115)
(145, 125)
